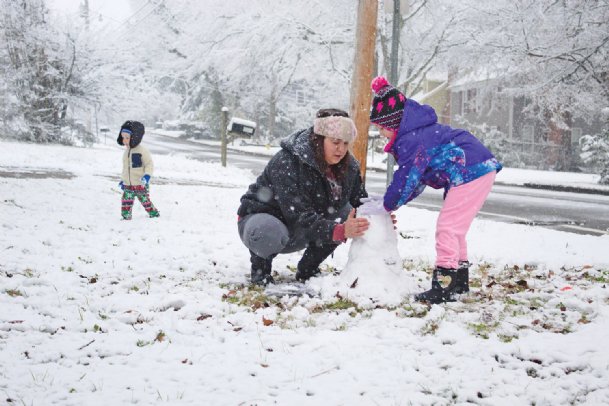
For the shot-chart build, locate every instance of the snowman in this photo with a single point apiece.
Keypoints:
(374, 272)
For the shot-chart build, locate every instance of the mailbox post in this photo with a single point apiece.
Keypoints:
(105, 131)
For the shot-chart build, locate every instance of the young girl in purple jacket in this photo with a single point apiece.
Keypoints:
(436, 155)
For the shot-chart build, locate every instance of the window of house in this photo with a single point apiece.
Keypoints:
(300, 97)
(470, 104)
(457, 103)
(576, 134)
(299, 94)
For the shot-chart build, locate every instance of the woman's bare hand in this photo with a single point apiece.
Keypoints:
(354, 226)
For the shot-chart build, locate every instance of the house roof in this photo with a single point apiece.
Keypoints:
(467, 80)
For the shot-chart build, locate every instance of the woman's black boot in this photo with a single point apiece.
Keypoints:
(438, 293)
(261, 270)
(304, 275)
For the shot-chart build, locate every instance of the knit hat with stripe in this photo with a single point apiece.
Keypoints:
(387, 105)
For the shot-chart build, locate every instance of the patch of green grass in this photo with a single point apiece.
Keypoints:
(415, 310)
(249, 296)
(583, 319)
(142, 343)
(310, 322)
(160, 336)
(85, 260)
(519, 312)
(601, 276)
(510, 301)
(67, 269)
(536, 303)
(506, 338)
(13, 292)
(430, 328)
(406, 236)
(483, 330)
(484, 267)
(341, 304)
(561, 306)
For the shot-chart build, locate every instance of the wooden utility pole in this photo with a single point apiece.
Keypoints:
(361, 94)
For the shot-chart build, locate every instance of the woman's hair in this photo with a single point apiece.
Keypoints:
(331, 113)
(339, 170)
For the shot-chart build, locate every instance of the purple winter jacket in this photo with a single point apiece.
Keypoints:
(432, 154)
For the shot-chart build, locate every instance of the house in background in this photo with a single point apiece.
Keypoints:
(477, 100)
(434, 91)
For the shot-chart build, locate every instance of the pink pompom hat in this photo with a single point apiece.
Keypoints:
(387, 105)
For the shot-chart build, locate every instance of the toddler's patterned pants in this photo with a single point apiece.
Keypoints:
(129, 195)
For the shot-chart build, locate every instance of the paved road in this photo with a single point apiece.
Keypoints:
(574, 212)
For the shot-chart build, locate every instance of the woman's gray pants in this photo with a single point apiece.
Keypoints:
(266, 236)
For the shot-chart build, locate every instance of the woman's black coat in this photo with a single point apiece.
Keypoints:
(293, 189)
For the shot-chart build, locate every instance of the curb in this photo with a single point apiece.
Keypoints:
(561, 188)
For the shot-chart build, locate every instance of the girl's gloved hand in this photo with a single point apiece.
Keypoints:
(145, 180)
(121, 185)
(371, 207)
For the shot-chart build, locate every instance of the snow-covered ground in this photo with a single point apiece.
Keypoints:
(95, 310)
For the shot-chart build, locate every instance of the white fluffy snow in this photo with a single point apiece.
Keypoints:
(94, 310)
(374, 273)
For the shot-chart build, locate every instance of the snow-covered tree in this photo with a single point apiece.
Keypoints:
(38, 72)
(556, 53)
(595, 152)
(428, 31)
(257, 57)
(495, 140)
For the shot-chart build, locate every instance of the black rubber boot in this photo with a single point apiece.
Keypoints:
(261, 270)
(437, 293)
(462, 277)
(308, 266)
(304, 275)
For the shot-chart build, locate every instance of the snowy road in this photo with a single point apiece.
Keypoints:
(574, 212)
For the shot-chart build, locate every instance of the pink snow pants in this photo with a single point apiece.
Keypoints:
(461, 205)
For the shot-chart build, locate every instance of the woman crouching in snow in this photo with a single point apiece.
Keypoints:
(304, 198)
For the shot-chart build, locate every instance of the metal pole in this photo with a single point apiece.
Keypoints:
(223, 132)
(97, 126)
(393, 73)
